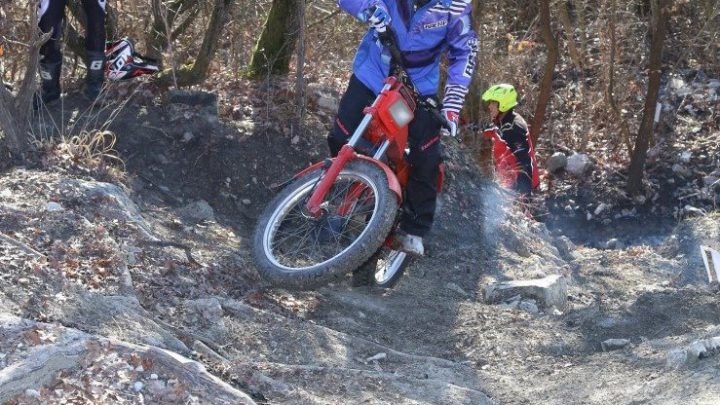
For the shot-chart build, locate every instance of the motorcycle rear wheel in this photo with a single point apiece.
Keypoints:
(296, 251)
(383, 269)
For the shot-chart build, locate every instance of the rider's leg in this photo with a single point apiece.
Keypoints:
(523, 184)
(94, 47)
(51, 14)
(356, 98)
(421, 190)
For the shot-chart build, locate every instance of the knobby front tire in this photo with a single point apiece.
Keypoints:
(295, 251)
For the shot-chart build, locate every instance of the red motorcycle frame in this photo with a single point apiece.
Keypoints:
(382, 128)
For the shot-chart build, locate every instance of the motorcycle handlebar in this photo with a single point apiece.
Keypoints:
(387, 38)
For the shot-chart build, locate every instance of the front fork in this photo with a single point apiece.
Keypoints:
(346, 154)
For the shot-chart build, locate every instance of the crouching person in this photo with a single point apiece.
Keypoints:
(513, 150)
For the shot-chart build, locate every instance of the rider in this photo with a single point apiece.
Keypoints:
(512, 145)
(51, 14)
(425, 29)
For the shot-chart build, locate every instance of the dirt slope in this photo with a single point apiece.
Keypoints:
(93, 260)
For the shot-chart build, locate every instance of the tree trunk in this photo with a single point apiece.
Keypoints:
(14, 110)
(609, 89)
(546, 83)
(573, 50)
(473, 101)
(13, 131)
(474, 111)
(658, 26)
(300, 71)
(276, 44)
(189, 75)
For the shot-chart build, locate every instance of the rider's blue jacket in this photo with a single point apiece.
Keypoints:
(423, 35)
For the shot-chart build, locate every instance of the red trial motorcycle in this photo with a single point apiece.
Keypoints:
(338, 215)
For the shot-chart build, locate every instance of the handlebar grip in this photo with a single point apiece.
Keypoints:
(431, 105)
(443, 121)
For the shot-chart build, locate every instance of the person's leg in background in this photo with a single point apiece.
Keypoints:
(50, 16)
(94, 47)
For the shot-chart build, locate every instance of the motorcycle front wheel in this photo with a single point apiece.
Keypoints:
(296, 250)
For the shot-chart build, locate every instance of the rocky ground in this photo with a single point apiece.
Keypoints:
(137, 286)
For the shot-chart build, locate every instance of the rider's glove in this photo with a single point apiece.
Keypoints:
(379, 17)
(452, 118)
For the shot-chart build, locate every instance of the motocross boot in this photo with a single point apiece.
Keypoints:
(95, 74)
(410, 244)
(50, 87)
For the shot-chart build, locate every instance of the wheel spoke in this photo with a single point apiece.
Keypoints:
(302, 241)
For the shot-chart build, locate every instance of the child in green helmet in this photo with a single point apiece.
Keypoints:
(513, 150)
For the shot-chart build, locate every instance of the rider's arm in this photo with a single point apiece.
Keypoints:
(358, 8)
(462, 52)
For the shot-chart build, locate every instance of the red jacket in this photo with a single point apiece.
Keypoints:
(514, 153)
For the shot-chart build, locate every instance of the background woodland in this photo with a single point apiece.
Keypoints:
(590, 72)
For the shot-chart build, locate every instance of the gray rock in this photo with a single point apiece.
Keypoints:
(456, 288)
(578, 164)
(109, 200)
(187, 137)
(549, 292)
(685, 156)
(601, 207)
(42, 364)
(607, 323)
(690, 211)
(614, 344)
(325, 98)
(529, 306)
(32, 393)
(197, 211)
(697, 350)
(238, 309)
(681, 170)
(511, 303)
(676, 358)
(556, 162)
(194, 98)
(614, 243)
(114, 316)
(54, 207)
(206, 314)
(246, 125)
(516, 243)
(712, 180)
(208, 308)
(157, 387)
(328, 103)
(564, 246)
(207, 352)
(679, 87)
(263, 383)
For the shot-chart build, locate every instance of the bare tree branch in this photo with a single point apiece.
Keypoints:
(546, 83)
(609, 89)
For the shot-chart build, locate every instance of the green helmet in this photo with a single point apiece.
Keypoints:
(504, 94)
